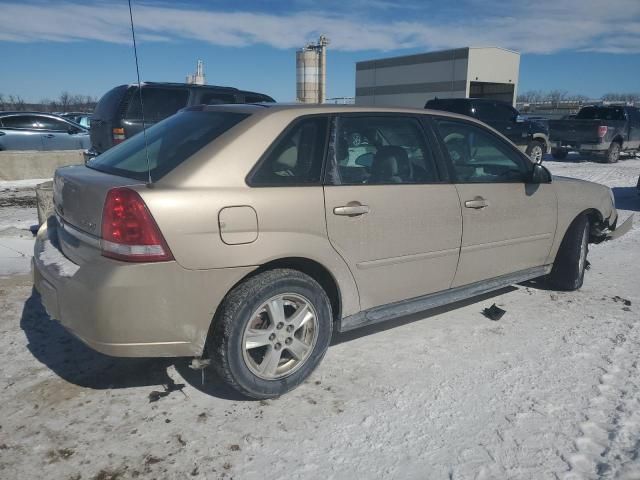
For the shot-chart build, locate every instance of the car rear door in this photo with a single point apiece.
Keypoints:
(508, 223)
(20, 132)
(391, 213)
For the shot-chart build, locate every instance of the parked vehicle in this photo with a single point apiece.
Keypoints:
(81, 118)
(118, 114)
(603, 130)
(529, 135)
(40, 131)
(258, 230)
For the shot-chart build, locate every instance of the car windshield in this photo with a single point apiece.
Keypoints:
(601, 113)
(168, 144)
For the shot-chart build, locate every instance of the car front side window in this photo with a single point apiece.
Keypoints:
(477, 156)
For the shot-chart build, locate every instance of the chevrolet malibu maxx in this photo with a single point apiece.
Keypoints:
(245, 235)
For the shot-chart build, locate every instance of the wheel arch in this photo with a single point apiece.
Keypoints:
(312, 268)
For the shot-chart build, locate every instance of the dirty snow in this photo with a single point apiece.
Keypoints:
(551, 391)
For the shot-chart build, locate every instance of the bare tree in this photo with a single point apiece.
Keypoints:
(556, 96)
(16, 102)
(64, 100)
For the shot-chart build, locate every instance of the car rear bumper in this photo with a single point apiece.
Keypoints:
(584, 147)
(130, 310)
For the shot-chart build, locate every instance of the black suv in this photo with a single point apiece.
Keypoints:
(118, 114)
(531, 136)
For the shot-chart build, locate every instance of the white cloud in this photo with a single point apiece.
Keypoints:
(545, 26)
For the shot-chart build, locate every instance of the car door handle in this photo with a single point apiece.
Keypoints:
(49, 135)
(476, 203)
(352, 209)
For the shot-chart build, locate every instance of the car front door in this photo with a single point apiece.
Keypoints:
(20, 132)
(389, 213)
(508, 223)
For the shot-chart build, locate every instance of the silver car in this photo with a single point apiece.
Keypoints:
(40, 131)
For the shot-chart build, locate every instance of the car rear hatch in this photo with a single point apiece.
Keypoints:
(575, 131)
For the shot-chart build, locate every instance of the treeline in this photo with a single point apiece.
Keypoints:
(557, 96)
(66, 102)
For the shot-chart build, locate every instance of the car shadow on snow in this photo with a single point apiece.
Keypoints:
(76, 363)
(627, 198)
(339, 338)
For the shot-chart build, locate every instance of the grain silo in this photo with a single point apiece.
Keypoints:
(311, 72)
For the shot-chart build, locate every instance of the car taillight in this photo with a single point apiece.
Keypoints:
(129, 232)
(602, 131)
(118, 135)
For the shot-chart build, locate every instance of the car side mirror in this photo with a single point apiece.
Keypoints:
(519, 119)
(540, 174)
(72, 131)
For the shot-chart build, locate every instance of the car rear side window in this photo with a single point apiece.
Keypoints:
(169, 143)
(257, 98)
(159, 103)
(477, 156)
(382, 150)
(296, 158)
(53, 124)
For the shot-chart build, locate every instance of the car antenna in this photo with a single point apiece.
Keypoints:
(144, 127)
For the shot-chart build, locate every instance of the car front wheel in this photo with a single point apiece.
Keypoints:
(271, 332)
(571, 260)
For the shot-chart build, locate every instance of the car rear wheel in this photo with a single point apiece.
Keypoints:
(571, 261)
(559, 153)
(613, 154)
(271, 332)
(535, 150)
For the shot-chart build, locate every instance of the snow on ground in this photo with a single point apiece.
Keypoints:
(551, 391)
(17, 214)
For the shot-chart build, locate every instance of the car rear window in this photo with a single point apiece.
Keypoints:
(449, 106)
(601, 113)
(169, 143)
(159, 103)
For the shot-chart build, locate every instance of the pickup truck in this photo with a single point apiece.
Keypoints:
(604, 130)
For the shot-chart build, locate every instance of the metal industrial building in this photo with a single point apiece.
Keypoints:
(411, 80)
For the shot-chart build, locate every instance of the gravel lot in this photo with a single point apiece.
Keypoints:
(550, 391)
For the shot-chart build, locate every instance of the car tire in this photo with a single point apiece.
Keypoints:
(260, 345)
(535, 150)
(570, 264)
(559, 153)
(613, 154)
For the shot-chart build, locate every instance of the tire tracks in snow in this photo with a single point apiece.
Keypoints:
(609, 443)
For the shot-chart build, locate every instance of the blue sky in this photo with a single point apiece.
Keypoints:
(584, 46)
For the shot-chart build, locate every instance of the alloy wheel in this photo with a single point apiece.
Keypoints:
(280, 336)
